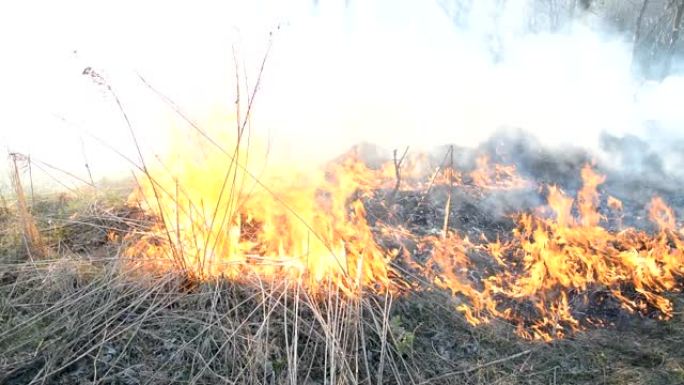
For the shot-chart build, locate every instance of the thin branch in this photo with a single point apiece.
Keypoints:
(397, 173)
(476, 368)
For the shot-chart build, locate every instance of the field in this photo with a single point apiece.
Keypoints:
(74, 309)
(338, 193)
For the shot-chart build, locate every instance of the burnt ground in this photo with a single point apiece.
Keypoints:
(81, 317)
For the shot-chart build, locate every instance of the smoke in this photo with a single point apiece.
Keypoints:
(424, 77)
(394, 73)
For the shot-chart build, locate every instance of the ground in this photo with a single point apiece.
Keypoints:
(82, 315)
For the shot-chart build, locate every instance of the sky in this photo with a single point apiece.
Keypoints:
(395, 73)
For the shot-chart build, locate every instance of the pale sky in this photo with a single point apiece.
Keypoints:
(390, 72)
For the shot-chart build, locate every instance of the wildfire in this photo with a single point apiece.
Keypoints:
(307, 227)
(495, 176)
(311, 227)
(551, 263)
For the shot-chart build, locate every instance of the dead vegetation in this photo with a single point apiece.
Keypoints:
(83, 315)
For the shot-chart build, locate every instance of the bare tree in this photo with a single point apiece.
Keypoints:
(678, 6)
(637, 29)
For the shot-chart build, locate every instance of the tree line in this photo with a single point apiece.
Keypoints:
(652, 25)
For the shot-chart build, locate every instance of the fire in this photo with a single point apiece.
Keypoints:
(546, 276)
(309, 226)
(614, 203)
(497, 176)
(661, 214)
(550, 263)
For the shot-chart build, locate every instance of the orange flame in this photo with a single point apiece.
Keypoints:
(499, 176)
(547, 259)
(661, 214)
(311, 226)
(305, 226)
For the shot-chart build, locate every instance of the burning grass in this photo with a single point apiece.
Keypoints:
(111, 303)
(313, 228)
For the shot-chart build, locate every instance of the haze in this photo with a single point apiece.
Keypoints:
(394, 73)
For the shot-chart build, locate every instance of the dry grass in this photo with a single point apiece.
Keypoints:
(84, 316)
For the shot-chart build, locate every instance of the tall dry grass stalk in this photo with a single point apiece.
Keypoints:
(32, 238)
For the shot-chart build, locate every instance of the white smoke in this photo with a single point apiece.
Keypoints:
(395, 73)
